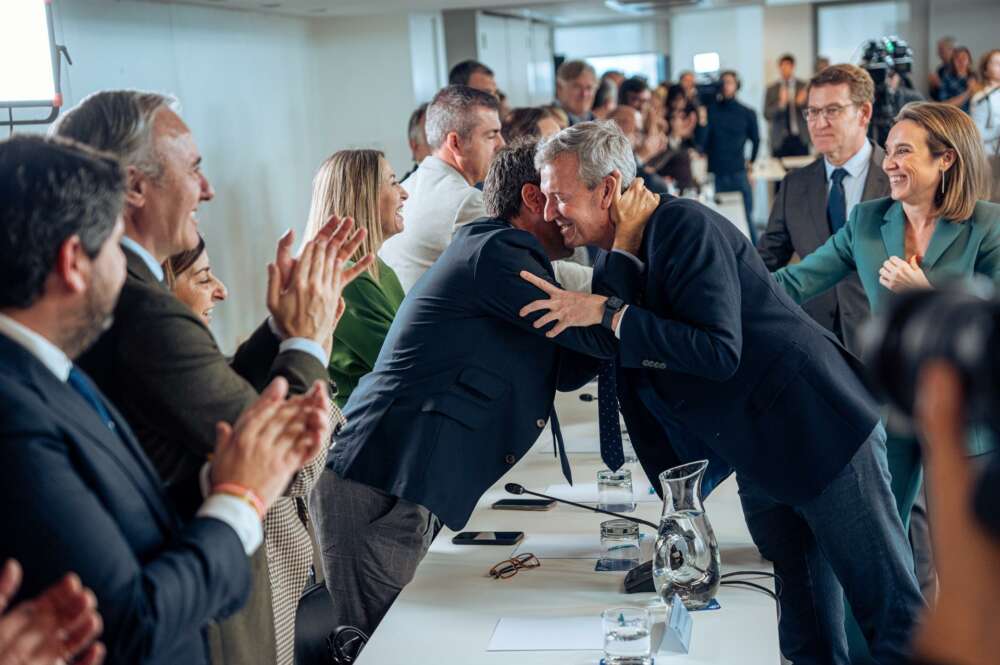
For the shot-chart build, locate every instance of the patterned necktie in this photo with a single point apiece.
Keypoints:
(836, 202)
(607, 417)
(79, 382)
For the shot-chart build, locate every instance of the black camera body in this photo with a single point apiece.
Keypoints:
(881, 56)
(885, 54)
(958, 323)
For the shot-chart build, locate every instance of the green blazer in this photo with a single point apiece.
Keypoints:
(875, 232)
(370, 308)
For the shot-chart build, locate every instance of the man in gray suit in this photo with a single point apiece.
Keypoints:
(814, 201)
(784, 107)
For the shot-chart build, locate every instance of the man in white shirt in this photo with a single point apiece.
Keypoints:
(463, 130)
(76, 491)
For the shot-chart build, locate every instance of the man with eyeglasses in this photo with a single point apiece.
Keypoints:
(814, 202)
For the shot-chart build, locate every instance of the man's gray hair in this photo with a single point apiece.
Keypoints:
(451, 111)
(119, 122)
(600, 147)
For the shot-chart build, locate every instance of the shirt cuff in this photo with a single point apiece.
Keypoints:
(274, 328)
(621, 317)
(315, 349)
(239, 515)
(635, 259)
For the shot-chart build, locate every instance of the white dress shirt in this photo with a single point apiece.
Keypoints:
(857, 173)
(440, 201)
(228, 509)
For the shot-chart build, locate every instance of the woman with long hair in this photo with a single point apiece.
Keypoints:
(360, 184)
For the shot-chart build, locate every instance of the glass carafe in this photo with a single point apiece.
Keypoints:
(686, 559)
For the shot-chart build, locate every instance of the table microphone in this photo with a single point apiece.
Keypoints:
(640, 578)
(514, 488)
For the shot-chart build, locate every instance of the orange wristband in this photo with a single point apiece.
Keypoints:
(244, 493)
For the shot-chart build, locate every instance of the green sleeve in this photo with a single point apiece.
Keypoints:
(360, 333)
(988, 260)
(824, 268)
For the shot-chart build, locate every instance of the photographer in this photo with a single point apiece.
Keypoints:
(949, 385)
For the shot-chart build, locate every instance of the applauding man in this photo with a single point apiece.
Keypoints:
(77, 493)
(160, 364)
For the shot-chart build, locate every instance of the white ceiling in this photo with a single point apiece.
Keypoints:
(556, 11)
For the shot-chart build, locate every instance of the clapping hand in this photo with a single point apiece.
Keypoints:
(58, 626)
(304, 294)
(272, 439)
(899, 275)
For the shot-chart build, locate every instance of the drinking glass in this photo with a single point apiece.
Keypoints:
(627, 636)
(614, 491)
(620, 545)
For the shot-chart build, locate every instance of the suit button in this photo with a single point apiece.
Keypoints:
(510, 459)
(645, 363)
(540, 423)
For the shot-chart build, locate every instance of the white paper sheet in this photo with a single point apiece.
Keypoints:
(561, 545)
(574, 546)
(587, 492)
(548, 634)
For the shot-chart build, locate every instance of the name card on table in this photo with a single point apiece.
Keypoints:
(677, 631)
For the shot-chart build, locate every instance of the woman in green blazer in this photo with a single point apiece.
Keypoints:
(360, 184)
(932, 229)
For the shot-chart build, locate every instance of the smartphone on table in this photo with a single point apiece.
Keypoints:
(524, 504)
(488, 538)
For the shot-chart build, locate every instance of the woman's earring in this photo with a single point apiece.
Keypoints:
(942, 181)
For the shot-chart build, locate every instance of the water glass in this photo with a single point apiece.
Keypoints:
(627, 450)
(614, 491)
(620, 545)
(627, 636)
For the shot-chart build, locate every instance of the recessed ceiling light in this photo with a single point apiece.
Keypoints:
(270, 5)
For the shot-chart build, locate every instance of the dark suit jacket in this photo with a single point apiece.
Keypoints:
(798, 225)
(161, 366)
(76, 497)
(716, 359)
(778, 115)
(463, 385)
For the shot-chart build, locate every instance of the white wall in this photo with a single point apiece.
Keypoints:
(267, 97)
(582, 41)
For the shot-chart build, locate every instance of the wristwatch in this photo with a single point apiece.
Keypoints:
(612, 306)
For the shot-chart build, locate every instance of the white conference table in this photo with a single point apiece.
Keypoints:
(449, 612)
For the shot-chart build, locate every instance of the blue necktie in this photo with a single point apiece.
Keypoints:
(836, 202)
(79, 381)
(607, 417)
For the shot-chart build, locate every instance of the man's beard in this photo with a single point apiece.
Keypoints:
(91, 321)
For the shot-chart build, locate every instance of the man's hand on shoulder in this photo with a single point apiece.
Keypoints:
(567, 309)
(630, 212)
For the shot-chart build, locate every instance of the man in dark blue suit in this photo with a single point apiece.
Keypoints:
(717, 361)
(461, 390)
(77, 493)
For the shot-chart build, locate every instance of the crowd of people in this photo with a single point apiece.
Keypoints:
(167, 500)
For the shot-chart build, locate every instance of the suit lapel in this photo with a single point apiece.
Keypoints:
(138, 269)
(893, 228)
(76, 415)
(877, 182)
(945, 233)
(816, 201)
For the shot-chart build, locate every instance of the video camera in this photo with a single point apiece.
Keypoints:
(885, 54)
(958, 323)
